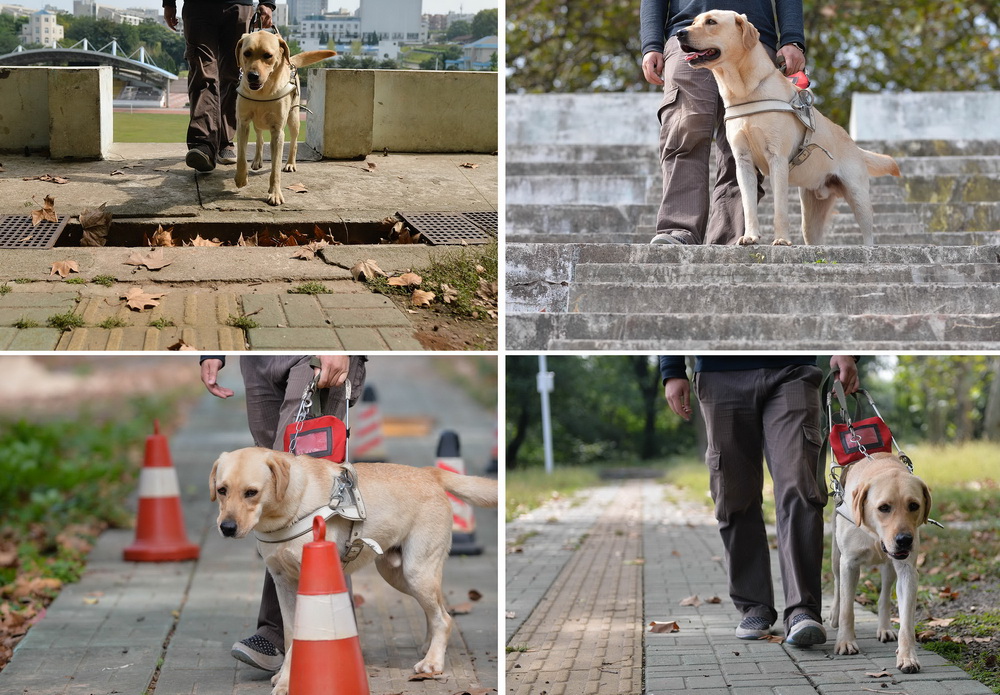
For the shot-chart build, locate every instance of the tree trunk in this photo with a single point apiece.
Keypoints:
(991, 417)
(514, 445)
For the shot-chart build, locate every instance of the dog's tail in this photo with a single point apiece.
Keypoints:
(880, 164)
(310, 57)
(481, 492)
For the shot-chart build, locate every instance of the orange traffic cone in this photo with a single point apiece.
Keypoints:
(367, 440)
(463, 520)
(159, 527)
(326, 652)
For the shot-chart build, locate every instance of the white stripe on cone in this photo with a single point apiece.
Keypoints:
(324, 618)
(158, 482)
(462, 518)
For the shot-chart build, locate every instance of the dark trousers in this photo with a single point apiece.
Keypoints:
(212, 30)
(274, 386)
(774, 412)
(690, 115)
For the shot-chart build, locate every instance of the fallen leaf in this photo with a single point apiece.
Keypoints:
(691, 601)
(468, 165)
(448, 293)
(181, 346)
(64, 268)
(371, 166)
(359, 600)
(714, 599)
(422, 298)
(304, 253)
(47, 212)
(940, 622)
(117, 172)
(406, 280)
(777, 639)
(474, 595)
(161, 237)
(198, 241)
(461, 608)
(154, 260)
(297, 188)
(252, 241)
(880, 674)
(658, 627)
(138, 300)
(366, 270)
(480, 269)
(47, 178)
(8, 555)
(91, 601)
(425, 676)
(926, 635)
(96, 224)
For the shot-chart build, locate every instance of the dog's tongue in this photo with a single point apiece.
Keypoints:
(700, 54)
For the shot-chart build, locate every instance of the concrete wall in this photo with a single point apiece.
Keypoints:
(362, 111)
(583, 119)
(64, 111)
(926, 116)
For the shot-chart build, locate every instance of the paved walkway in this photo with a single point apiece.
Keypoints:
(146, 185)
(574, 624)
(125, 624)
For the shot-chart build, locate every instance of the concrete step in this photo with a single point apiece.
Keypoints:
(751, 331)
(527, 235)
(949, 166)
(571, 219)
(644, 167)
(576, 190)
(561, 154)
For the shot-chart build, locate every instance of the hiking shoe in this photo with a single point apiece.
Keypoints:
(199, 160)
(753, 627)
(259, 653)
(227, 155)
(803, 631)
(666, 238)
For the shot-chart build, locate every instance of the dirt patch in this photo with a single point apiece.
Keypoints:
(437, 330)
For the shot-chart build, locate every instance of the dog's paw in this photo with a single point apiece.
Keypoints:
(834, 619)
(241, 180)
(886, 635)
(275, 198)
(907, 662)
(846, 647)
(428, 665)
(289, 167)
(781, 242)
(747, 240)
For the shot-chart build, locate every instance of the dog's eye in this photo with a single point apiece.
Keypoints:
(247, 54)
(884, 508)
(221, 492)
(250, 493)
(914, 506)
(710, 21)
(268, 56)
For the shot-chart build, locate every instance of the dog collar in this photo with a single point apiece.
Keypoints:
(290, 88)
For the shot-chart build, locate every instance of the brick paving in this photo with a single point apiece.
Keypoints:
(562, 548)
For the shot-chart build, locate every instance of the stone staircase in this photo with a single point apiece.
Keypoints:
(582, 276)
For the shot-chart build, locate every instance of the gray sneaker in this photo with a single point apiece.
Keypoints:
(753, 627)
(803, 631)
(666, 238)
(227, 155)
(259, 653)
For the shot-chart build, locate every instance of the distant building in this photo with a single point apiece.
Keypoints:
(317, 32)
(17, 10)
(42, 28)
(134, 15)
(298, 10)
(453, 17)
(436, 22)
(280, 15)
(478, 55)
(393, 20)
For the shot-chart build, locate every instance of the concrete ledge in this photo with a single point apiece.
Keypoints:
(402, 111)
(583, 119)
(65, 111)
(925, 116)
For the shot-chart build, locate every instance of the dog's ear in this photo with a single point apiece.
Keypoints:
(284, 51)
(860, 496)
(239, 49)
(211, 480)
(750, 34)
(927, 502)
(281, 468)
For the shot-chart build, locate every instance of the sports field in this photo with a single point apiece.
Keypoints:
(160, 127)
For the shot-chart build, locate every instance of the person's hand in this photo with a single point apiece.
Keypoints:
(170, 16)
(795, 60)
(266, 21)
(333, 370)
(652, 67)
(848, 376)
(209, 377)
(678, 393)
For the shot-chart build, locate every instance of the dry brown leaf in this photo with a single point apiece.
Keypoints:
(468, 165)
(137, 299)
(659, 627)
(47, 178)
(480, 269)
(425, 676)
(474, 595)
(940, 622)
(406, 280)
(448, 293)
(422, 298)
(181, 346)
(366, 270)
(297, 188)
(198, 241)
(461, 608)
(371, 166)
(926, 635)
(880, 674)
(777, 639)
(304, 253)
(244, 241)
(47, 212)
(64, 268)
(691, 601)
(154, 260)
(96, 224)
(714, 599)
(8, 555)
(90, 601)
(161, 237)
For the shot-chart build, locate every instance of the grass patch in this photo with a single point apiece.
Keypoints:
(75, 281)
(113, 322)
(66, 321)
(26, 323)
(163, 127)
(4, 289)
(529, 488)
(244, 322)
(105, 280)
(519, 648)
(23, 281)
(162, 323)
(964, 479)
(310, 288)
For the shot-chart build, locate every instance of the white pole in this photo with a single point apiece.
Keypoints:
(546, 382)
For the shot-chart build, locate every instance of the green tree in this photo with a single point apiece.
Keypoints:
(459, 28)
(485, 23)
(101, 32)
(10, 32)
(348, 61)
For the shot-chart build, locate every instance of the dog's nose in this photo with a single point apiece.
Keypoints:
(228, 528)
(682, 34)
(255, 76)
(904, 541)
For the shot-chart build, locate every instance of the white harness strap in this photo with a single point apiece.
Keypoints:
(291, 88)
(800, 105)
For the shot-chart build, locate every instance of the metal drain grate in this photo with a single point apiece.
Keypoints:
(443, 228)
(484, 220)
(16, 232)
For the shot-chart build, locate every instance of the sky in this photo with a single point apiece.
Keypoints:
(429, 6)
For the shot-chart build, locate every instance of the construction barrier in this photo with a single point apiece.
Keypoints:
(367, 439)
(463, 526)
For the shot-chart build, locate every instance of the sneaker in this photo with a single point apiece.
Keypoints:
(227, 155)
(199, 160)
(666, 238)
(803, 631)
(753, 627)
(259, 653)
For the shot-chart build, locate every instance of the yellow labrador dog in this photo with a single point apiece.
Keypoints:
(268, 96)
(887, 505)
(822, 161)
(408, 514)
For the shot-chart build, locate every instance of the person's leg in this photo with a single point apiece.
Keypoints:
(687, 117)
(730, 402)
(235, 23)
(792, 444)
(201, 33)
